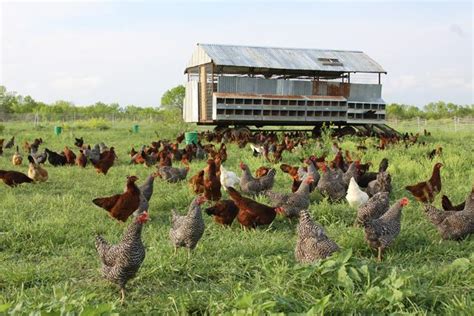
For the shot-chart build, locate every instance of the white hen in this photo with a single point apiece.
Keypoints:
(228, 178)
(355, 196)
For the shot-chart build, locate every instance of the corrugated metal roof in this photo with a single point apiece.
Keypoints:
(283, 58)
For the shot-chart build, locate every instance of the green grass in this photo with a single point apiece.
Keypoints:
(49, 263)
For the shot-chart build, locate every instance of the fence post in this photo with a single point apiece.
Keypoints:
(455, 124)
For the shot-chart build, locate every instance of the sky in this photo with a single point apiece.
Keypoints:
(132, 52)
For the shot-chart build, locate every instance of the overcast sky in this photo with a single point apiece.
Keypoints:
(131, 52)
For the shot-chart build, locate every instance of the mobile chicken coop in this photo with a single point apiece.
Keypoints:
(264, 86)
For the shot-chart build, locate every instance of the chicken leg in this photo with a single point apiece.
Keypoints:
(122, 292)
(379, 256)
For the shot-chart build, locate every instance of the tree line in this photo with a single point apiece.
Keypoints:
(13, 103)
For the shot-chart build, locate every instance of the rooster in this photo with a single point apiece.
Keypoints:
(122, 261)
(121, 206)
(426, 191)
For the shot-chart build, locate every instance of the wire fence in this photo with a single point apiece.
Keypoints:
(452, 124)
(38, 119)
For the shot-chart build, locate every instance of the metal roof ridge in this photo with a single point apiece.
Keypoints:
(274, 47)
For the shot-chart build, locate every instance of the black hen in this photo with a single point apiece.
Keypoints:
(55, 159)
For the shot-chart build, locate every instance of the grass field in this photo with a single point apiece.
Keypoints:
(49, 263)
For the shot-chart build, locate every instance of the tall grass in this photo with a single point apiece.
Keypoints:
(49, 263)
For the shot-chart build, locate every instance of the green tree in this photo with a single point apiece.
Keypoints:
(174, 97)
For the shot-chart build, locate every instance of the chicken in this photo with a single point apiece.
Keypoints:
(14, 178)
(212, 184)
(251, 213)
(355, 196)
(197, 182)
(381, 232)
(426, 191)
(1, 146)
(228, 178)
(70, 156)
(81, 159)
(289, 205)
(312, 243)
(172, 174)
(105, 162)
(454, 225)
(291, 170)
(383, 183)
(448, 206)
(55, 159)
(187, 230)
(103, 147)
(121, 262)
(17, 158)
(366, 177)
(10, 143)
(121, 206)
(40, 158)
(256, 150)
(223, 212)
(374, 208)
(261, 171)
(78, 142)
(331, 184)
(93, 154)
(35, 171)
(351, 172)
(312, 171)
(250, 185)
(147, 187)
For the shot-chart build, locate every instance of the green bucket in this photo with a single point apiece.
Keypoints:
(191, 138)
(135, 128)
(58, 130)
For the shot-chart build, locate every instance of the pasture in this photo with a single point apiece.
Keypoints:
(49, 263)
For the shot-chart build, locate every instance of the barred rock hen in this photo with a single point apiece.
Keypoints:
(93, 154)
(250, 185)
(383, 183)
(374, 208)
(251, 213)
(14, 178)
(312, 171)
(121, 206)
(122, 261)
(426, 191)
(312, 243)
(223, 212)
(290, 204)
(381, 232)
(454, 225)
(352, 172)
(186, 230)
(331, 184)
